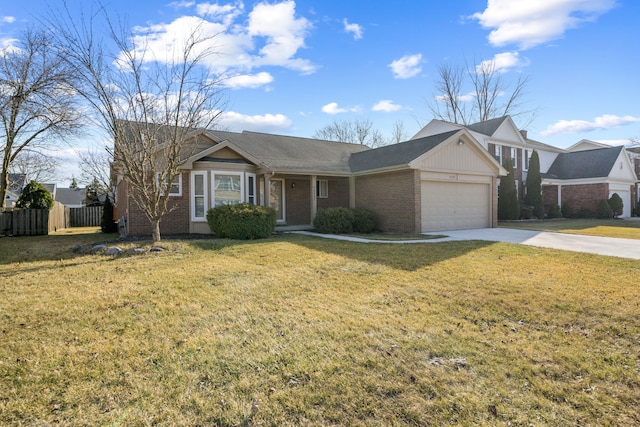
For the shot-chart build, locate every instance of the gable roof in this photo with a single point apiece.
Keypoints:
(293, 154)
(397, 154)
(584, 164)
(488, 127)
(70, 196)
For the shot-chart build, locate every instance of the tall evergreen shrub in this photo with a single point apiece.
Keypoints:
(508, 206)
(35, 196)
(534, 186)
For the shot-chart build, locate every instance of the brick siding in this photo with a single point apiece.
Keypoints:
(394, 198)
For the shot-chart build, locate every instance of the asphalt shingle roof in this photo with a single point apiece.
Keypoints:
(279, 152)
(584, 164)
(488, 127)
(396, 154)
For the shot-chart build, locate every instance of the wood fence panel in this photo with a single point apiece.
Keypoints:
(58, 217)
(86, 217)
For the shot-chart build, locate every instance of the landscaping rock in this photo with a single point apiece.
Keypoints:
(97, 249)
(113, 251)
(135, 251)
(79, 249)
(156, 249)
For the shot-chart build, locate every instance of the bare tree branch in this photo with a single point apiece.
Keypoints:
(37, 100)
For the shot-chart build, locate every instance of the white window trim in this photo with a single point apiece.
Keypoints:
(213, 184)
(204, 174)
(249, 187)
(513, 154)
(320, 187)
(497, 152)
(284, 201)
(179, 193)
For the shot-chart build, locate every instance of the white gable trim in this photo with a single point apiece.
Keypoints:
(188, 164)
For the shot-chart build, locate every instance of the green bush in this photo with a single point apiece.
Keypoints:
(555, 212)
(363, 221)
(638, 208)
(616, 204)
(584, 213)
(108, 225)
(334, 220)
(526, 211)
(35, 196)
(243, 221)
(604, 210)
(567, 210)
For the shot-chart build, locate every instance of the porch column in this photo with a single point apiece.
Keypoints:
(352, 192)
(313, 198)
(267, 190)
(560, 195)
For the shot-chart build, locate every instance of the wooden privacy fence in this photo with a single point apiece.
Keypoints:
(86, 217)
(32, 222)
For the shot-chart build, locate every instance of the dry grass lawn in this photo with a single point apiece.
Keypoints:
(298, 330)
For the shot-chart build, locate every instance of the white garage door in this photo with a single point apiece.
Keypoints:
(455, 206)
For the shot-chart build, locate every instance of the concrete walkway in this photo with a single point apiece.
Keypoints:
(623, 248)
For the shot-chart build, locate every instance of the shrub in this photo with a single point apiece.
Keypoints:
(555, 212)
(584, 213)
(526, 211)
(363, 221)
(604, 210)
(243, 221)
(108, 225)
(508, 204)
(567, 210)
(35, 196)
(334, 220)
(616, 204)
(638, 208)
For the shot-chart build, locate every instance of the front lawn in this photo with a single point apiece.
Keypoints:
(628, 228)
(298, 330)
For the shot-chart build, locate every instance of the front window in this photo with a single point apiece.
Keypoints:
(513, 153)
(227, 189)
(527, 157)
(251, 188)
(199, 192)
(175, 188)
(322, 189)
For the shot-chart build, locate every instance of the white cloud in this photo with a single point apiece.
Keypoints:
(8, 19)
(284, 34)
(248, 80)
(406, 67)
(606, 121)
(502, 62)
(332, 108)
(8, 45)
(271, 36)
(387, 106)
(258, 123)
(530, 23)
(356, 29)
(464, 98)
(182, 4)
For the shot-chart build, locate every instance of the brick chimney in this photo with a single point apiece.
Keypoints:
(523, 133)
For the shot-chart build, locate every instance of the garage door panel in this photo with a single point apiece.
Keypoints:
(454, 205)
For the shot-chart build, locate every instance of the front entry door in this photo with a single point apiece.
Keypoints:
(276, 198)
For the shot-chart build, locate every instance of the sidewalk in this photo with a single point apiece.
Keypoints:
(609, 246)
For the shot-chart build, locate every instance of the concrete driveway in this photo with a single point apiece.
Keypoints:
(623, 248)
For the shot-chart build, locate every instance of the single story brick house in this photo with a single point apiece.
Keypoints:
(438, 182)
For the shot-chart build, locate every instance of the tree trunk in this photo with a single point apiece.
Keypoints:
(4, 186)
(155, 234)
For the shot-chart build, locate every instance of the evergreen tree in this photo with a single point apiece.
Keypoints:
(508, 206)
(108, 225)
(93, 192)
(616, 204)
(74, 183)
(35, 196)
(534, 186)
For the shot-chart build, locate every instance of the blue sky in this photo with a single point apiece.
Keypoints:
(297, 66)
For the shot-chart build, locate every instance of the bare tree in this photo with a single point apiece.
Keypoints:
(490, 94)
(36, 100)
(398, 133)
(359, 131)
(96, 165)
(150, 107)
(35, 165)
